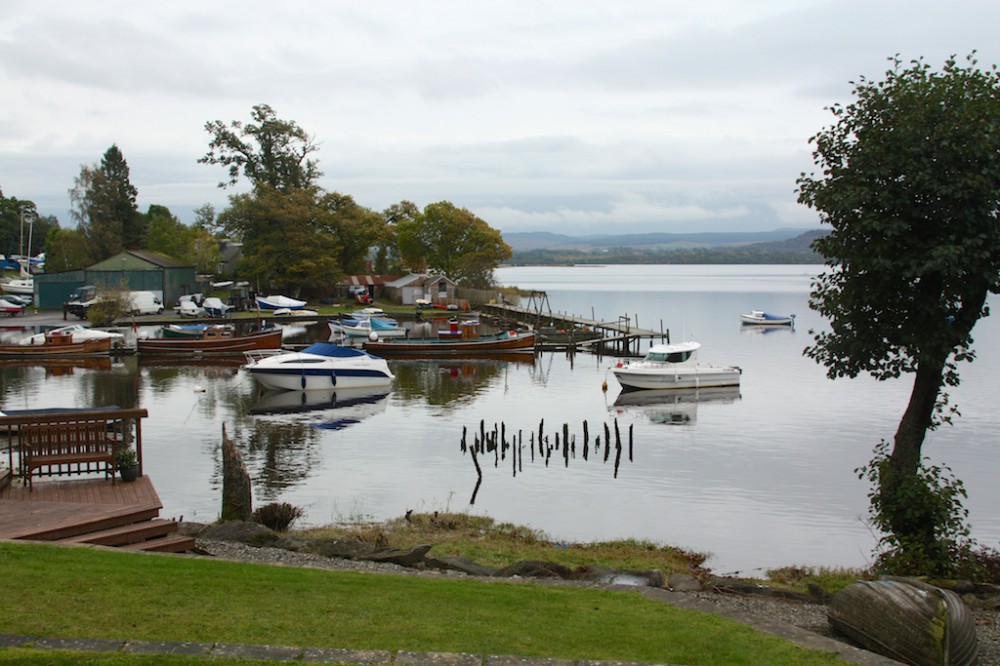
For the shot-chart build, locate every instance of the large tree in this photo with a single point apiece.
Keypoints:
(269, 152)
(910, 187)
(287, 242)
(454, 242)
(104, 206)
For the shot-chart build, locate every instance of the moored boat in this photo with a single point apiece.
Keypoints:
(77, 332)
(459, 338)
(321, 365)
(673, 366)
(365, 326)
(182, 330)
(761, 318)
(217, 339)
(58, 343)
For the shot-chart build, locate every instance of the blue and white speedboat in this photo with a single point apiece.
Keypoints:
(364, 327)
(321, 365)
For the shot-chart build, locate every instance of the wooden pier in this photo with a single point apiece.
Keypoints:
(621, 337)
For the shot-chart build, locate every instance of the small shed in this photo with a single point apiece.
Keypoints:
(373, 285)
(408, 289)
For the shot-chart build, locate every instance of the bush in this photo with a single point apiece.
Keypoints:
(277, 516)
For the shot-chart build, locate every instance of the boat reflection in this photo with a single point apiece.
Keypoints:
(326, 409)
(55, 367)
(671, 406)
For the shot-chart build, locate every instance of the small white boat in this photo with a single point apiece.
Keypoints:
(674, 366)
(9, 308)
(279, 303)
(78, 332)
(366, 327)
(321, 365)
(761, 318)
(214, 307)
(21, 287)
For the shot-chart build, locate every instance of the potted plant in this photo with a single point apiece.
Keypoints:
(127, 463)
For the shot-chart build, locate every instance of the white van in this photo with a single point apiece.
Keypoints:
(144, 302)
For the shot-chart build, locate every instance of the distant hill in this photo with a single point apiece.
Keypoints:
(543, 240)
(783, 246)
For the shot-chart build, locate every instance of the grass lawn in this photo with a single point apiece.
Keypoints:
(78, 592)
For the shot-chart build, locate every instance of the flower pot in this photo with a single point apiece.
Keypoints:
(130, 473)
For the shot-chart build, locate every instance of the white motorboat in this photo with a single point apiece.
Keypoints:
(321, 365)
(279, 303)
(79, 332)
(761, 318)
(365, 327)
(21, 287)
(674, 366)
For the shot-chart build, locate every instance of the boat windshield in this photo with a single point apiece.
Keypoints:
(672, 357)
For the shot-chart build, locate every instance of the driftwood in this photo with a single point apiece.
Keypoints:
(236, 499)
(907, 620)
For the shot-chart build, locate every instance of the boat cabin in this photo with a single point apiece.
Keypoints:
(675, 353)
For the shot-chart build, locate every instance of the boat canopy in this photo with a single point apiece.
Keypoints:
(333, 351)
(674, 353)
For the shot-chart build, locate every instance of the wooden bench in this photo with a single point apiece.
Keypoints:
(73, 441)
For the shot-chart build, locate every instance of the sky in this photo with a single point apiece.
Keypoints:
(575, 117)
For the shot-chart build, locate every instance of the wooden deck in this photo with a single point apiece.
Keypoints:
(90, 511)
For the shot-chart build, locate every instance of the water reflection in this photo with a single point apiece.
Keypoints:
(329, 409)
(671, 406)
(451, 382)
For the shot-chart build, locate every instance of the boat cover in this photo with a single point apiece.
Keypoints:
(333, 351)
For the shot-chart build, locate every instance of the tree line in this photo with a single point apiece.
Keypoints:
(295, 236)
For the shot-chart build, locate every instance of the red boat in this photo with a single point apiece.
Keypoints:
(220, 339)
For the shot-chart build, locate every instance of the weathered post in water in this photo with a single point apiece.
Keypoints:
(237, 503)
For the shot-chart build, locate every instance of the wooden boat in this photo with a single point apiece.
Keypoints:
(908, 620)
(458, 339)
(58, 343)
(183, 330)
(219, 339)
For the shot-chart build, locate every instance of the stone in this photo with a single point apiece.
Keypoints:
(462, 564)
(682, 582)
(536, 569)
(242, 531)
(404, 558)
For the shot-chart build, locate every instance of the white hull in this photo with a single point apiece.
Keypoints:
(674, 366)
(364, 330)
(759, 318)
(633, 378)
(19, 287)
(305, 371)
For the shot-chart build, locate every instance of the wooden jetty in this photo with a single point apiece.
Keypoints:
(621, 337)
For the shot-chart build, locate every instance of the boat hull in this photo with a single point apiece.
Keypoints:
(321, 366)
(637, 379)
(362, 331)
(90, 347)
(521, 342)
(237, 344)
(765, 319)
(19, 287)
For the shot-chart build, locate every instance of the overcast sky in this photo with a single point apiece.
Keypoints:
(574, 117)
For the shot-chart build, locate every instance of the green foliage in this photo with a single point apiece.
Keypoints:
(112, 305)
(126, 457)
(270, 152)
(14, 214)
(289, 241)
(922, 519)
(104, 206)
(66, 249)
(910, 186)
(452, 241)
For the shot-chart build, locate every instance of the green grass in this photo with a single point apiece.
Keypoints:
(76, 592)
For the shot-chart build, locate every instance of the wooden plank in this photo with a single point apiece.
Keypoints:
(174, 543)
(126, 534)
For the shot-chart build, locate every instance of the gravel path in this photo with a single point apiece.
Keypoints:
(811, 617)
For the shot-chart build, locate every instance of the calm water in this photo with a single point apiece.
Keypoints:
(759, 477)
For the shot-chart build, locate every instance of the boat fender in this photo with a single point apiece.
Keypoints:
(333, 378)
(303, 381)
(619, 364)
(604, 386)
